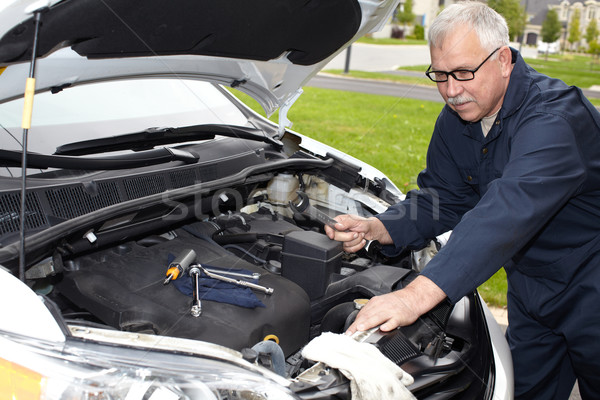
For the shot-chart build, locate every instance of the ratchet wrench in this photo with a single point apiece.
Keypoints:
(303, 207)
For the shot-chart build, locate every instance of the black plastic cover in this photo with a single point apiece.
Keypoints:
(310, 259)
(123, 287)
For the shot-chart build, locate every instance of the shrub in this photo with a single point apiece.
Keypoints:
(419, 32)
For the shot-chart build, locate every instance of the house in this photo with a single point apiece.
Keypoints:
(426, 10)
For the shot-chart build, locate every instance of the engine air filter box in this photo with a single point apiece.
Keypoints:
(309, 259)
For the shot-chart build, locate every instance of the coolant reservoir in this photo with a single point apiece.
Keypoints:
(282, 188)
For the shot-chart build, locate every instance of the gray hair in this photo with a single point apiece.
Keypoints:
(490, 27)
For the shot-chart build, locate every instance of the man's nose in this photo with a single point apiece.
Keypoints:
(453, 87)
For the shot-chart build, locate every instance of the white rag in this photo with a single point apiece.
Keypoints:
(372, 375)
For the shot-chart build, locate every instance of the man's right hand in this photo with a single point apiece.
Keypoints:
(354, 231)
(399, 308)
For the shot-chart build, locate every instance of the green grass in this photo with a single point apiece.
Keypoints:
(392, 133)
(387, 132)
(493, 291)
(577, 70)
(385, 77)
(388, 41)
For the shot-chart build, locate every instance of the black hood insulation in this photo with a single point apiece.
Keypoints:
(309, 31)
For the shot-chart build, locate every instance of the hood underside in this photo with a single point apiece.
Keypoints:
(256, 30)
(274, 45)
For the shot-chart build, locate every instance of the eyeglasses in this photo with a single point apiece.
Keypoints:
(457, 74)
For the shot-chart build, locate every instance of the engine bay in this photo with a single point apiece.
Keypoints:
(285, 281)
(266, 242)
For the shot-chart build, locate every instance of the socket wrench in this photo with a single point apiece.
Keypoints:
(304, 208)
(196, 309)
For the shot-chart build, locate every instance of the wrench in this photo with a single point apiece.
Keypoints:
(239, 282)
(254, 275)
(196, 309)
(303, 207)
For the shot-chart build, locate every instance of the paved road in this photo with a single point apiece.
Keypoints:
(376, 87)
(378, 58)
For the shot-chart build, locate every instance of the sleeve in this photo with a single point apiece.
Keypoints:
(442, 198)
(545, 169)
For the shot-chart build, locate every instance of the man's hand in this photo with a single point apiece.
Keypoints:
(354, 231)
(399, 308)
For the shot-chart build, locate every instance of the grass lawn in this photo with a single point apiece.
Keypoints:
(423, 80)
(577, 70)
(387, 132)
(392, 133)
(493, 291)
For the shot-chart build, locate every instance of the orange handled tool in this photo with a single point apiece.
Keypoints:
(180, 265)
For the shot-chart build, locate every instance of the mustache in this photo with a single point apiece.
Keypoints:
(458, 100)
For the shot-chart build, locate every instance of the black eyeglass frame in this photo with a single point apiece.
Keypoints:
(431, 74)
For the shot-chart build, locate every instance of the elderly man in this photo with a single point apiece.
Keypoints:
(513, 168)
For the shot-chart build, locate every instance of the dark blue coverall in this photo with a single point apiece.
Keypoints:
(526, 197)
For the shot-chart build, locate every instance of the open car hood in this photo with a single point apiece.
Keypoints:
(268, 48)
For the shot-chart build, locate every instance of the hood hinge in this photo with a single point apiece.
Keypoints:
(284, 122)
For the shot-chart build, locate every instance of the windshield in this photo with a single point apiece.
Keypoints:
(113, 108)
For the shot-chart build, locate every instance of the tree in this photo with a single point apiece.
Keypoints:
(419, 32)
(591, 32)
(575, 28)
(514, 13)
(591, 37)
(594, 50)
(550, 28)
(405, 15)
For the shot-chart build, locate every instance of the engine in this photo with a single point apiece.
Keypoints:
(123, 286)
(258, 268)
(298, 273)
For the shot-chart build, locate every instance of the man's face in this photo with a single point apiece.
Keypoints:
(483, 95)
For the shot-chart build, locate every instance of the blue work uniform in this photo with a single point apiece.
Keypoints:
(526, 197)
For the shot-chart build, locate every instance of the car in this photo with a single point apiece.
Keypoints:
(548, 48)
(159, 239)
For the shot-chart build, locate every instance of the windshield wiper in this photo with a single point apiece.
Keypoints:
(10, 158)
(150, 138)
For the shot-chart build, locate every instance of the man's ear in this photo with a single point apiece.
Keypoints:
(505, 59)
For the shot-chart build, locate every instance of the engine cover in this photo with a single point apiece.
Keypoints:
(123, 287)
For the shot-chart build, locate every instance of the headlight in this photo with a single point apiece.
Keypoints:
(30, 369)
